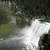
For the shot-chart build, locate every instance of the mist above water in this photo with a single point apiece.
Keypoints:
(33, 33)
(30, 35)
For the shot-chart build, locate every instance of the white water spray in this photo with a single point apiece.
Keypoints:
(31, 34)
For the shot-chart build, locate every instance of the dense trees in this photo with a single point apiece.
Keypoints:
(35, 7)
(29, 9)
(5, 12)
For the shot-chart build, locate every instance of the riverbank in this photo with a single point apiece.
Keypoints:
(5, 29)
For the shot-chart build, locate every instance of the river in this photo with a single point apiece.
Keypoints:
(26, 37)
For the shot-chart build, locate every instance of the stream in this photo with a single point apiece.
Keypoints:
(27, 37)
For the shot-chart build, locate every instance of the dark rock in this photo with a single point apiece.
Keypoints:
(44, 42)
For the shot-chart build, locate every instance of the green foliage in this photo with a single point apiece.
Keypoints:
(35, 7)
(28, 9)
(32, 9)
(5, 29)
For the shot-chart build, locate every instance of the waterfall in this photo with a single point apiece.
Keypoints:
(31, 35)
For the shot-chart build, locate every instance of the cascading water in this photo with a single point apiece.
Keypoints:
(33, 33)
(30, 35)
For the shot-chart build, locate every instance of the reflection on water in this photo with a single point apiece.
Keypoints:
(30, 36)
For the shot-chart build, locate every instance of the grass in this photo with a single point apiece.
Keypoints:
(5, 29)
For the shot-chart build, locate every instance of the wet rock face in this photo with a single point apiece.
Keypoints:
(44, 42)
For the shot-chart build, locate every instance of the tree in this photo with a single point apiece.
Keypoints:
(35, 7)
(32, 9)
(5, 12)
(28, 9)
